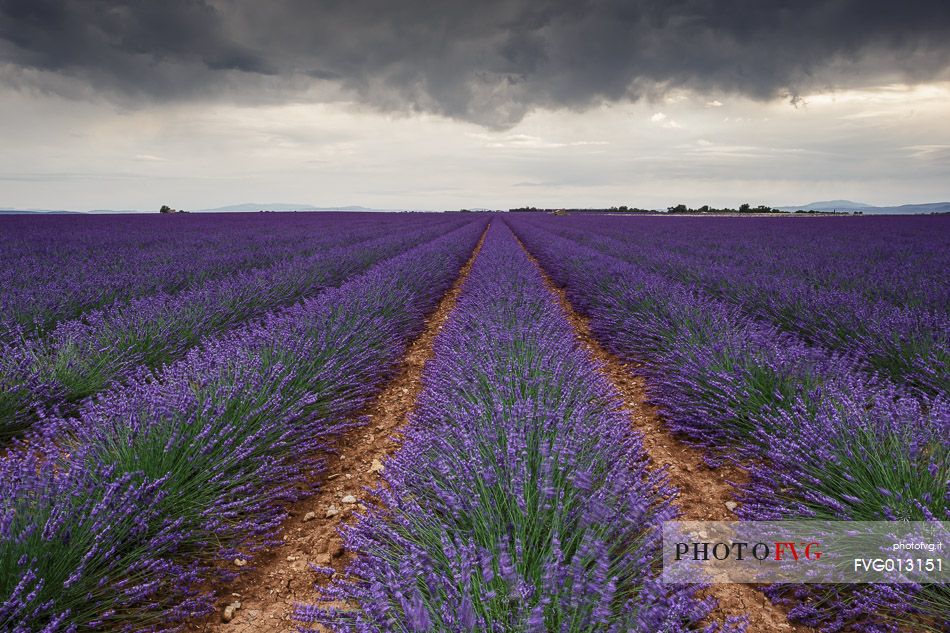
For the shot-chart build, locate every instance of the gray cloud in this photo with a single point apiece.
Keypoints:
(489, 62)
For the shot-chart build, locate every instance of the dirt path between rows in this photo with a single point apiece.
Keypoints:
(282, 577)
(703, 492)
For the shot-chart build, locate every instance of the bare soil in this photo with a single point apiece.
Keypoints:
(702, 492)
(282, 577)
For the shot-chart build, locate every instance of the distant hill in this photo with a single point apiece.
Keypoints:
(11, 211)
(850, 205)
(829, 205)
(930, 207)
(277, 206)
(234, 208)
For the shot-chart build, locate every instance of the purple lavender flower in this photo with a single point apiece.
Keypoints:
(117, 518)
(520, 499)
(827, 439)
(82, 356)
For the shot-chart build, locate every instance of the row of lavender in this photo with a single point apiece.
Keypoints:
(906, 340)
(824, 441)
(120, 520)
(897, 259)
(83, 356)
(53, 268)
(520, 499)
(825, 296)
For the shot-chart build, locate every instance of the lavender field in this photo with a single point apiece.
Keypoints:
(185, 403)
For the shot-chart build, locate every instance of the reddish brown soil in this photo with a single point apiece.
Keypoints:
(282, 577)
(702, 491)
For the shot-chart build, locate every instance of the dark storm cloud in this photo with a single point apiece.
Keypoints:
(488, 61)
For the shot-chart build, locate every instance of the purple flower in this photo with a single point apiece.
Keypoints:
(121, 515)
(516, 480)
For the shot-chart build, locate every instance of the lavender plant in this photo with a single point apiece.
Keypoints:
(898, 260)
(520, 499)
(82, 357)
(825, 441)
(159, 481)
(56, 267)
(886, 458)
(900, 333)
(87, 547)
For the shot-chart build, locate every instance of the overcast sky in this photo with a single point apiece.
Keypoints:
(410, 104)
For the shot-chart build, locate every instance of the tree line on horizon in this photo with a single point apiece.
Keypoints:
(677, 210)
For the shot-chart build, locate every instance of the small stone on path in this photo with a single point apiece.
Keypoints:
(229, 611)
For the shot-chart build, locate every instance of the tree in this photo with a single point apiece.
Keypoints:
(166, 209)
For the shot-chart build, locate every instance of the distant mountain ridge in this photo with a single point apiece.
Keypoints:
(253, 207)
(12, 211)
(245, 207)
(851, 206)
(824, 205)
(278, 206)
